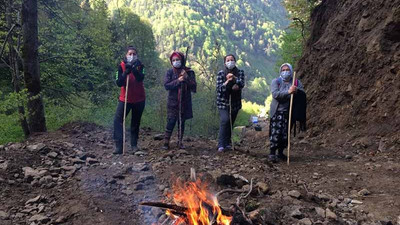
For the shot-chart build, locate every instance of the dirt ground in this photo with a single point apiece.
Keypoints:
(70, 177)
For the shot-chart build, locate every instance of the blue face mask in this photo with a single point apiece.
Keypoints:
(286, 75)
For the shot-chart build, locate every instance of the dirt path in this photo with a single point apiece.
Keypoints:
(79, 181)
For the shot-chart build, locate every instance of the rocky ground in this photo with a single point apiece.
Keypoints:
(71, 177)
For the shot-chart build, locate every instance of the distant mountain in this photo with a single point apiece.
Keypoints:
(247, 28)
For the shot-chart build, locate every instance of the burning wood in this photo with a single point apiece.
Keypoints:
(195, 205)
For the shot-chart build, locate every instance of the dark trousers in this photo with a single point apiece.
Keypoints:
(171, 124)
(137, 111)
(225, 127)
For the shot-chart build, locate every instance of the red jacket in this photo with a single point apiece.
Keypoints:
(136, 92)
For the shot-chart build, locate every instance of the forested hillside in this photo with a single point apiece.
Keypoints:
(249, 29)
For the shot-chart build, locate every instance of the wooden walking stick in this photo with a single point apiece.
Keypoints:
(123, 124)
(230, 120)
(290, 119)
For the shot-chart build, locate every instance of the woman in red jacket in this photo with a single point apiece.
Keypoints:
(129, 67)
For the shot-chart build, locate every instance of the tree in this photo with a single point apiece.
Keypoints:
(13, 60)
(30, 55)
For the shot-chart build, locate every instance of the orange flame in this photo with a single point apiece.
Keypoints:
(202, 206)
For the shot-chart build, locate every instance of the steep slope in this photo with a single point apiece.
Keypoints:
(351, 68)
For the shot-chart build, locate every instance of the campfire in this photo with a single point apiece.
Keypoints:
(194, 204)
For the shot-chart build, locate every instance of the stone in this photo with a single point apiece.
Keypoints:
(296, 214)
(139, 186)
(262, 187)
(141, 153)
(305, 221)
(36, 147)
(39, 218)
(158, 137)
(69, 168)
(33, 200)
(356, 202)
(348, 157)
(4, 165)
(4, 215)
(77, 161)
(52, 155)
(364, 192)
(1, 147)
(398, 220)
(127, 192)
(61, 219)
(144, 178)
(330, 215)
(320, 212)
(29, 172)
(69, 145)
(347, 201)
(91, 161)
(294, 194)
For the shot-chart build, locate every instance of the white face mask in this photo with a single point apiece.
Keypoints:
(177, 64)
(134, 58)
(129, 58)
(230, 65)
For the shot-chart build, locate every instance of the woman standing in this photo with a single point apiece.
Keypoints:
(230, 82)
(131, 68)
(179, 81)
(281, 89)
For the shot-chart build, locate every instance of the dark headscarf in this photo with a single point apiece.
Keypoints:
(183, 61)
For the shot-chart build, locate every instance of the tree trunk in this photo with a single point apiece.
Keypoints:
(36, 118)
(13, 59)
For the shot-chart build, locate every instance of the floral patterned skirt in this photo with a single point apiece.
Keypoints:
(278, 130)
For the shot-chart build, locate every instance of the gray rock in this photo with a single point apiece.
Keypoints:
(127, 192)
(52, 155)
(139, 186)
(398, 220)
(356, 202)
(297, 214)
(91, 161)
(69, 145)
(305, 221)
(161, 187)
(347, 201)
(294, 194)
(36, 147)
(141, 153)
(330, 215)
(77, 161)
(1, 147)
(4, 215)
(4, 165)
(348, 157)
(144, 178)
(364, 192)
(34, 200)
(158, 137)
(320, 212)
(39, 218)
(61, 219)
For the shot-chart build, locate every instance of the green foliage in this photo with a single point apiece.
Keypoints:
(248, 29)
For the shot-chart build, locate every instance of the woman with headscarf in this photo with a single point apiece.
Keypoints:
(179, 81)
(281, 90)
(230, 82)
(135, 100)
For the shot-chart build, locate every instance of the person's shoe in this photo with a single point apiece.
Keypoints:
(180, 145)
(221, 149)
(118, 150)
(134, 148)
(282, 157)
(272, 158)
(165, 146)
(229, 147)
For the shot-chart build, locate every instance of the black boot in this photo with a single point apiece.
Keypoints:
(272, 157)
(134, 146)
(118, 148)
(167, 138)
(281, 156)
